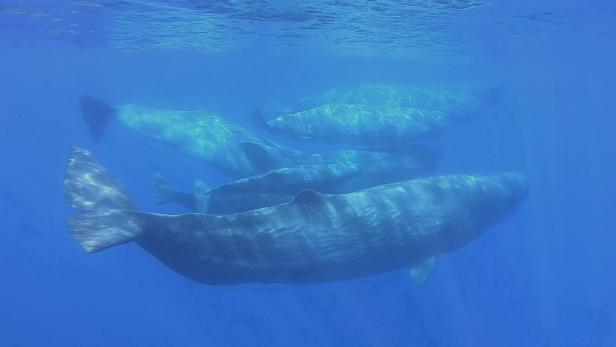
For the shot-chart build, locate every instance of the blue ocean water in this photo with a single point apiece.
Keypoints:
(542, 277)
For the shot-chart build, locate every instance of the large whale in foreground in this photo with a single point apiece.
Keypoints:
(314, 238)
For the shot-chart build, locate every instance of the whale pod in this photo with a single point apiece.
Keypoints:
(313, 238)
(231, 149)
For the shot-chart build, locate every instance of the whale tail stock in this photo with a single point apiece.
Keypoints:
(96, 114)
(106, 216)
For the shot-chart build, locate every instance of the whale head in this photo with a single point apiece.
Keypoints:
(480, 202)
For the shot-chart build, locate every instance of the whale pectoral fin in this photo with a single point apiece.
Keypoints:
(308, 196)
(258, 156)
(421, 271)
(202, 199)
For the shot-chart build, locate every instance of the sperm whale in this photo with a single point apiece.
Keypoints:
(314, 238)
(238, 153)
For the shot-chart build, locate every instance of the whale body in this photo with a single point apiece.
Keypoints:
(223, 145)
(342, 171)
(314, 238)
(267, 189)
(371, 113)
(361, 124)
(453, 101)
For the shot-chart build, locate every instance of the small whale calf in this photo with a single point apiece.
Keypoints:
(267, 189)
(313, 238)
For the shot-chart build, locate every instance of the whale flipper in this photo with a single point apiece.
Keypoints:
(421, 271)
(96, 114)
(105, 214)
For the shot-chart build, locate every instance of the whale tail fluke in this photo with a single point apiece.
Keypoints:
(96, 114)
(105, 214)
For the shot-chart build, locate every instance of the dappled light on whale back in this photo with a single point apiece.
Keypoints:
(316, 237)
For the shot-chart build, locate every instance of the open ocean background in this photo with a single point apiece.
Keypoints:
(543, 277)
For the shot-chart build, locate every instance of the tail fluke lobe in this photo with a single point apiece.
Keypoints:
(104, 215)
(97, 230)
(88, 186)
(96, 114)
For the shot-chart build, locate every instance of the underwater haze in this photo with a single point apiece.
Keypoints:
(234, 109)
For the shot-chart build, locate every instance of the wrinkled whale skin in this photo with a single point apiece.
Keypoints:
(314, 238)
(320, 237)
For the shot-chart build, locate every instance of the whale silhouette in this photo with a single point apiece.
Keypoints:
(314, 238)
(369, 113)
(346, 171)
